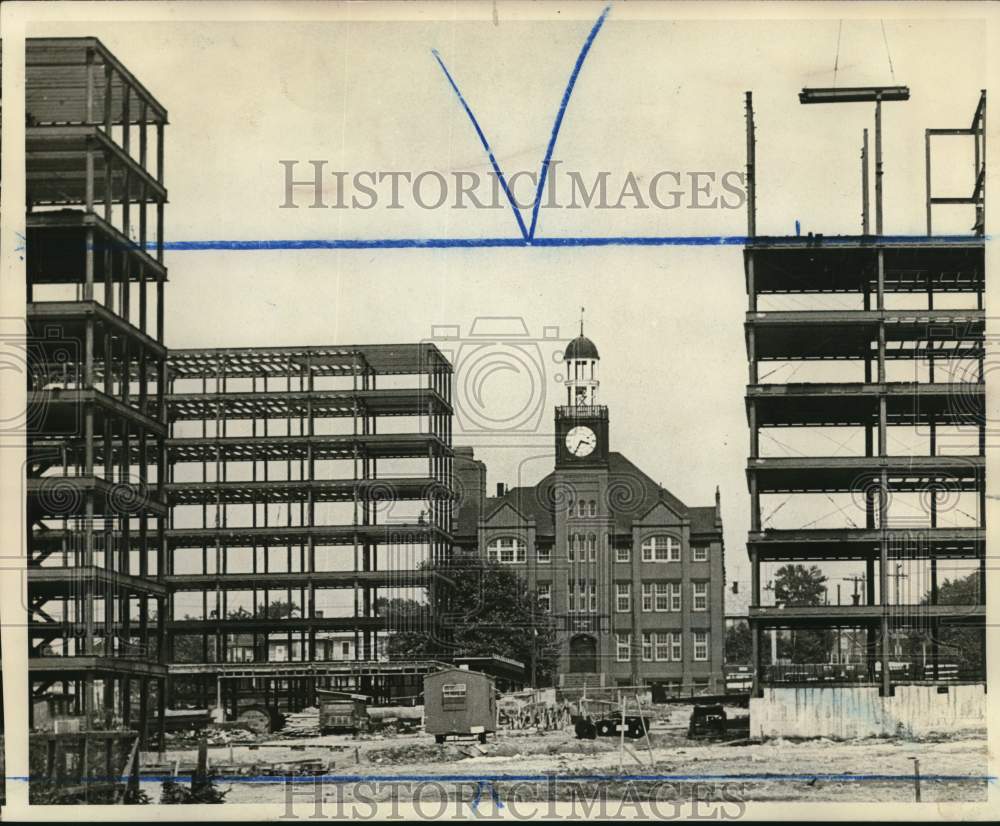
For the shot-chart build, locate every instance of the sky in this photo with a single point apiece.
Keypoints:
(653, 95)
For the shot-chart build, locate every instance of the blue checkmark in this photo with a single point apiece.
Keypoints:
(528, 233)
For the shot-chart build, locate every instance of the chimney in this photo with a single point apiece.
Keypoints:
(718, 505)
(501, 489)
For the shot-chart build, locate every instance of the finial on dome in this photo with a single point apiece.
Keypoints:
(582, 310)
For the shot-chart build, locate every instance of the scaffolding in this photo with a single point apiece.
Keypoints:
(311, 489)
(95, 499)
(870, 339)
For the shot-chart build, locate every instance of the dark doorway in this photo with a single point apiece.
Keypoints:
(583, 654)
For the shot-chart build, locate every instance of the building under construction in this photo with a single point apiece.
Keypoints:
(95, 501)
(310, 487)
(886, 337)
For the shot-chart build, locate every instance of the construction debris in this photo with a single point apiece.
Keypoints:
(303, 723)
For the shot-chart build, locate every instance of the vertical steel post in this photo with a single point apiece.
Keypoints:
(878, 165)
(927, 178)
(89, 113)
(864, 185)
(883, 578)
(751, 170)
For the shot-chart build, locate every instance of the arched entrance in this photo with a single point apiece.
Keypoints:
(583, 654)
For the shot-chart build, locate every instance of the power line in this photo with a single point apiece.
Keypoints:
(836, 59)
(888, 54)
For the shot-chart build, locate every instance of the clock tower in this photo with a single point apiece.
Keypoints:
(582, 423)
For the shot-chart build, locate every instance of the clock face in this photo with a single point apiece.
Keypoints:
(581, 441)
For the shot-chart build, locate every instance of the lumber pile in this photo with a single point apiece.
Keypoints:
(303, 723)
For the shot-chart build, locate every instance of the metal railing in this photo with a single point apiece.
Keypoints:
(902, 671)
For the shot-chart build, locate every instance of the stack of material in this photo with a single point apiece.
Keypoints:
(304, 723)
(231, 734)
(381, 713)
(184, 719)
(213, 735)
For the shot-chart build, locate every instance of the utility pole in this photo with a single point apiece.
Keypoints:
(897, 576)
(856, 580)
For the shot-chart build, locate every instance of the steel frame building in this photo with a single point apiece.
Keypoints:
(95, 499)
(876, 267)
(290, 486)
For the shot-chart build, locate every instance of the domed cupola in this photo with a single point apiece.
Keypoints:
(581, 359)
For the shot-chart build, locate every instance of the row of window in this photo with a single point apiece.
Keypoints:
(507, 550)
(656, 596)
(583, 508)
(579, 548)
(662, 646)
(660, 596)
(581, 597)
(583, 547)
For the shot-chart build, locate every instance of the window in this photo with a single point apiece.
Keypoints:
(581, 508)
(345, 649)
(647, 596)
(453, 695)
(662, 603)
(647, 647)
(699, 594)
(545, 597)
(623, 601)
(662, 646)
(699, 553)
(582, 596)
(544, 555)
(676, 650)
(592, 547)
(623, 554)
(574, 550)
(623, 647)
(593, 508)
(675, 596)
(661, 548)
(506, 550)
(701, 645)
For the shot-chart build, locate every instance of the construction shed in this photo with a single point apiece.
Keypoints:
(459, 702)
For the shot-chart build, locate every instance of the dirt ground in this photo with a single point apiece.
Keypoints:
(520, 762)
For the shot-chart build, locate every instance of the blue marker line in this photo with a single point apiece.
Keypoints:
(451, 243)
(586, 241)
(560, 114)
(486, 144)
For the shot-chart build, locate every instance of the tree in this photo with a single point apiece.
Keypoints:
(957, 644)
(799, 586)
(485, 609)
(739, 644)
(279, 609)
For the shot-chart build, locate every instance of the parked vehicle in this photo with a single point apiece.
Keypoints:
(707, 720)
(635, 726)
(341, 711)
